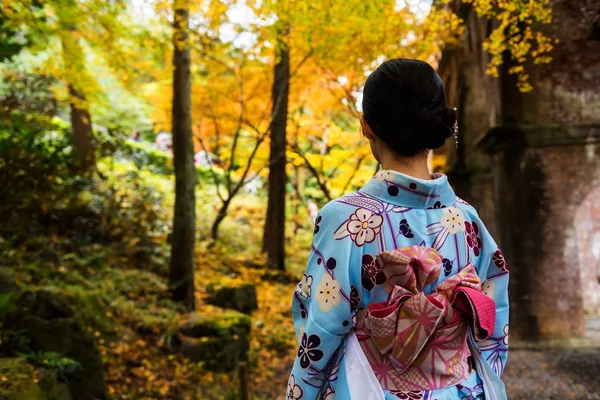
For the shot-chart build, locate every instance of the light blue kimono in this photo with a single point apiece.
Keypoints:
(392, 211)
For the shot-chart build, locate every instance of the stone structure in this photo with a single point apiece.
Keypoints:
(587, 225)
(542, 175)
(220, 339)
(536, 191)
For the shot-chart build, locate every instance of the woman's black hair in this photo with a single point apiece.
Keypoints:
(404, 103)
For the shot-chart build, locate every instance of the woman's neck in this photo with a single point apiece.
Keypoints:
(413, 166)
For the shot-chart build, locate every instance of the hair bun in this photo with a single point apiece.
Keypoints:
(440, 126)
(449, 118)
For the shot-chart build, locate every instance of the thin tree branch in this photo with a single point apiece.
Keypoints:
(239, 127)
(324, 146)
(257, 173)
(315, 173)
(304, 59)
(356, 168)
(259, 139)
(212, 172)
(296, 185)
(241, 183)
(349, 99)
(214, 117)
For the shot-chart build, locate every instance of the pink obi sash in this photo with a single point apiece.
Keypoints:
(415, 341)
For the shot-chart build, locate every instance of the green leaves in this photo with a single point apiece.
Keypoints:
(65, 368)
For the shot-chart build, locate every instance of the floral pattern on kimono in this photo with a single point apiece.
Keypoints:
(391, 211)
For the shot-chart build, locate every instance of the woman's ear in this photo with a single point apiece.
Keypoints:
(366, 129)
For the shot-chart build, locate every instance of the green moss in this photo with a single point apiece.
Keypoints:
(48, 384)
(220, 340)
(63, 368)
(221, 324)
(138, 282)
(90, 309)
(16, 380)
(145, 318)
(8, 283)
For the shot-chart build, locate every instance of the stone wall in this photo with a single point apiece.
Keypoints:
(533, 188)
(543, 175)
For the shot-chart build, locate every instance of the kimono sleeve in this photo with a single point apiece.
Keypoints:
(321, 309)
(494, 350)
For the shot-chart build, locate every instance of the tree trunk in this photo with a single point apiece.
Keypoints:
(75, 75)
(81, 127)
(181, 269)
(243, 373)
(298, 190)
(274, 234)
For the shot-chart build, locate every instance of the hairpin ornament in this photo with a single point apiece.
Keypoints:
(456, 127)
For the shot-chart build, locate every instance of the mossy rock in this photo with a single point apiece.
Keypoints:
(18, 383)
(140, 282)
(44, 321)
(48, 384)
(51, 388)
(8, 282)
(89, 309)
(239, 296)
(221, 341)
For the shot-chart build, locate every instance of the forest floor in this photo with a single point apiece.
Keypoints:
(565, 372)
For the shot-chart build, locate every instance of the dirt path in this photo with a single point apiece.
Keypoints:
(555, 373)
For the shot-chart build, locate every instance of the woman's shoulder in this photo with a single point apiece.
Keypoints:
(466, 208)
(470, 213)
(338, 208)
(337, 212)
(476, 229)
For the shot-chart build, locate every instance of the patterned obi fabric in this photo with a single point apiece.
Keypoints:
(415, 341)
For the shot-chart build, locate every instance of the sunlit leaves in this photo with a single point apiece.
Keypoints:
(518, 34)
(80, 35)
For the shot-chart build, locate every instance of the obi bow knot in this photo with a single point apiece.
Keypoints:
(416, 341)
